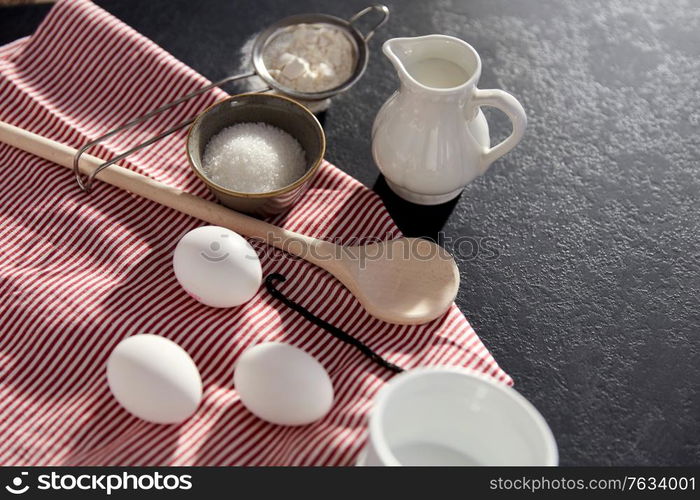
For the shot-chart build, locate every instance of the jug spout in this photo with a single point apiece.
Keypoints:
(396, 50)
(436, 63)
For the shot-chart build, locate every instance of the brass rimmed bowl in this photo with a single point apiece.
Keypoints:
(274, 110)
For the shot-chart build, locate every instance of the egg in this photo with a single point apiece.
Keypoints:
(154, 378)
(282, 384)
(217, 267)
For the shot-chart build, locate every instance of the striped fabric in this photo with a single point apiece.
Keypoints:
(80, 273)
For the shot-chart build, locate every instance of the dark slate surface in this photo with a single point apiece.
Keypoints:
(592, 301)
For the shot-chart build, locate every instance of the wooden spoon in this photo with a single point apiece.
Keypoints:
(405, 281)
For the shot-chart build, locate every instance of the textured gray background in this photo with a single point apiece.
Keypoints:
(592, 303)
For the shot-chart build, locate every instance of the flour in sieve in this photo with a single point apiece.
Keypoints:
(310, 57)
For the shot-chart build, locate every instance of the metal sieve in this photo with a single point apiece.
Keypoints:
(347, 26)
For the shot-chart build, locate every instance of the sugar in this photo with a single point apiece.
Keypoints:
(253, 158)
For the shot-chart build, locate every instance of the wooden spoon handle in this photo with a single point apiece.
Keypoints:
(169, 196)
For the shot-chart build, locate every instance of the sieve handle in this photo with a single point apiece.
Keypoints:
(382, 9)
(85, 183)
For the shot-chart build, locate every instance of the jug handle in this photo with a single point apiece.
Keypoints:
(502, 100)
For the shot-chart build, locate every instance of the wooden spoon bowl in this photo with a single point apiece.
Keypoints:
(406, 280)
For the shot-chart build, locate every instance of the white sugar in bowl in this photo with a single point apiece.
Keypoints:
(282, 384)
(217, 267)
(154, 379)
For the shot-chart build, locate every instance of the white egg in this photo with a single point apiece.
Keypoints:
(217, 267)
(154, 378)
(282, 384)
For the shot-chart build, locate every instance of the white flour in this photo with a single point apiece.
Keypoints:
(310, 57)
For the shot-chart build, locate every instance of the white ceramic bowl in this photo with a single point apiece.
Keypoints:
(451, 416)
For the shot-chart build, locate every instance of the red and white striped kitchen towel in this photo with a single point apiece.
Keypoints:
(79, 273)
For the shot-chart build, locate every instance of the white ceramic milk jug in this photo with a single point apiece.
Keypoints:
(430, 138)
